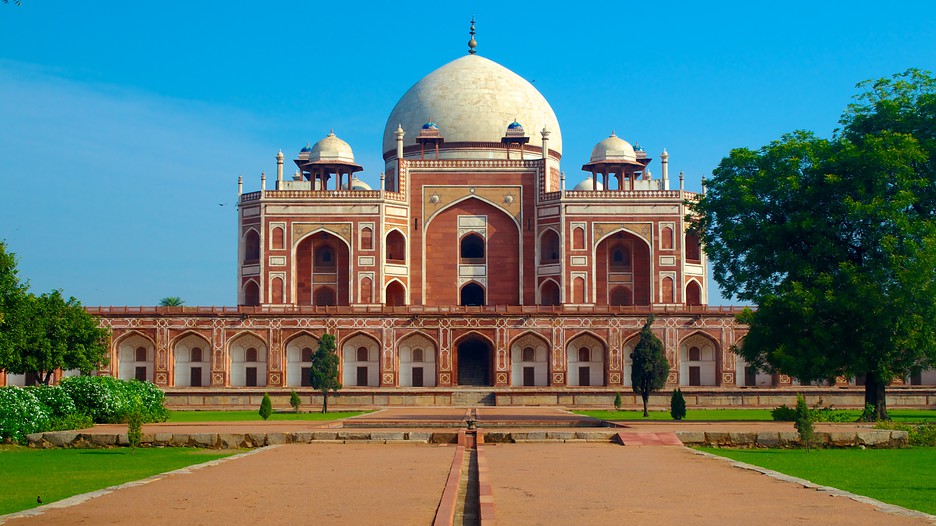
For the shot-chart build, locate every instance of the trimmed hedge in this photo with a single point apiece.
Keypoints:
(77, 402)
(108, 400)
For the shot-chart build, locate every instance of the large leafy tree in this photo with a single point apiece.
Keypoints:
(39, 334)
(649, 367)
(324, 369)
(60, 335)
(13, 296)
(835, 241)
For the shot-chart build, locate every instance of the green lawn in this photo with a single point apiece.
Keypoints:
(250, 415)
(905, 477)
(56, 474)
(716, 415)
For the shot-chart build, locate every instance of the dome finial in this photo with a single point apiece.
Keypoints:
(472, 44)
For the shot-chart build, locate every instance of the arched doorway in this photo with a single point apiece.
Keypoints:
(474, 362)
(472, 295)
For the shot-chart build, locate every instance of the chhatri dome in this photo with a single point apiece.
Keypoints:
(613, 149)
(331, 149)
(472, 99)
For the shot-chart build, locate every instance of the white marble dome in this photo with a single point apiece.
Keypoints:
(331, 149)
(472, 99)
(357, 184)
(613, 149)
(587, 185)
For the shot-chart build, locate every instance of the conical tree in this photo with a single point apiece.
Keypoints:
(649, 367)
(324, 370)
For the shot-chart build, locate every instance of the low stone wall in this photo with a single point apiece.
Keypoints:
(873, 438)
(574, 397)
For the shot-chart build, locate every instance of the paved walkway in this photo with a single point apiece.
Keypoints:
(539, 483)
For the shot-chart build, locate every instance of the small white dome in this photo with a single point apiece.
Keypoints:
(357, 184)
(613, 149)
(331, 149)
(587, 185)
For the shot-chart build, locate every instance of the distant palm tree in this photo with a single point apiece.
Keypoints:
(171, 301)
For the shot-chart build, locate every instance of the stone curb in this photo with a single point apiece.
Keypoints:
(74, 500)
(881, 506)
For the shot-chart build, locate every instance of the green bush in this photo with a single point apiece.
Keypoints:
(266, 407)
(819, 414)
(21, 413)
(783, 413)
(677, 405)
(923, 434)
(108, 400)
(617, 401)
(69, 422)
(55, 399)
(295, 401)
(804, 422)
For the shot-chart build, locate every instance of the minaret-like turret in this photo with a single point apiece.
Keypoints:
(664, 163)
(279, 170)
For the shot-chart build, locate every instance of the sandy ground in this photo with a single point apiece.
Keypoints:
(551, 483)
(608, 484)
(294, 484)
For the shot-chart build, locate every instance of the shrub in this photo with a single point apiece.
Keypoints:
(783, 413)
(266, 407)
(108, 400)
(922, 434)
(135, 425)
(617, 401)
(677, 405)
(295, 401)
(804, 422)
(55, 399)
(21, 413)
(70, 422)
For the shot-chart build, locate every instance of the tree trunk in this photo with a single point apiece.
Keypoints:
(875, 395)
(646, 396)
(325, 401)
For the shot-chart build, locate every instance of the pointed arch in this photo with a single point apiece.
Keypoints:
(299, 349)
(247, 352)
(549, 246)
(471, 294)
(529, 360)
(395, 246)
(586, 355)
(190, 353)
(472, 249)
(395, 293)
(308, 252)
(500, 207)
(277, 238)
(578, 238)
(251, 293)
(418, 356)
(627, 348)
(698, 359)
(622, 256)
(693, 293)
(474, 359)
(251, 239)
(550, 292)
(360, 360)
(366, 290)
(131, 363)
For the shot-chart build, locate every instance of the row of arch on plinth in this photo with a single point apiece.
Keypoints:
(415, 359)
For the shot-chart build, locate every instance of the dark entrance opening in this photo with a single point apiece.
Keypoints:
(474, 362)
(472, 295)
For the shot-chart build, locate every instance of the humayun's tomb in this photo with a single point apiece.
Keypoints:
(476, 273)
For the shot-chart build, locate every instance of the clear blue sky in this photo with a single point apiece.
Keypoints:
(123, 124)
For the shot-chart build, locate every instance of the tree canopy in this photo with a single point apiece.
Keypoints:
(835, 241)
(171, 301)
(324, 370)
(39, 334)
(649, 367)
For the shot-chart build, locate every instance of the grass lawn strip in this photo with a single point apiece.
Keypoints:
(252, 416)
(746, 415)
(20, 492)
(913, 501)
